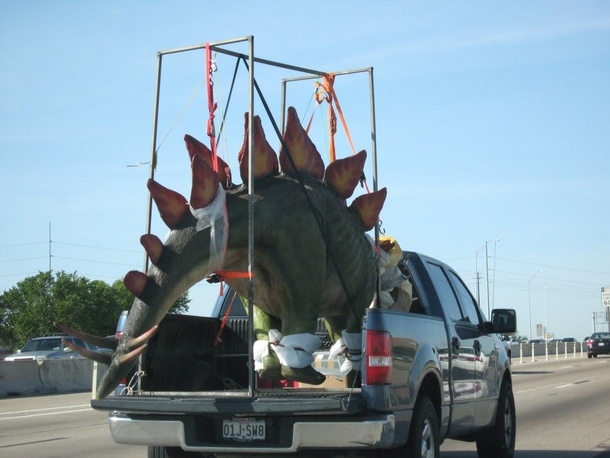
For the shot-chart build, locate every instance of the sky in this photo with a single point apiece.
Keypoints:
(492, 132)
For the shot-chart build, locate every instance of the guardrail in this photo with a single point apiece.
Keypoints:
(45, 376)
(547, 351)
(73, 375)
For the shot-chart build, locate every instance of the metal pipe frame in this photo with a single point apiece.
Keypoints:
(311, 74)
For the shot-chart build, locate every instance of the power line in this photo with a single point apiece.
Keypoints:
(557, 267)
(70, 244)
(96, 262)
(97, 247)
(23, 244)
(23, 259)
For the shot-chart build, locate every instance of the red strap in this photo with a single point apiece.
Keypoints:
(217, 340)
(232, 274)
(211, 105)
(224, 274)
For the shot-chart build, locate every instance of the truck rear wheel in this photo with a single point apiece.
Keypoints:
(174, 452)
(424, 433)
(499, 441)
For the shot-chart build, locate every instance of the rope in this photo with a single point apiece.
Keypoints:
(209, 68)
(180, 115)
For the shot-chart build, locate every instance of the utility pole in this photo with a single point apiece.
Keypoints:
(50, 255)
(529, 300)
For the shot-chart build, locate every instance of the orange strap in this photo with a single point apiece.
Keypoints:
(221, 275)
(329, 95)
(325, 91)
(217, 340)
(232, 274)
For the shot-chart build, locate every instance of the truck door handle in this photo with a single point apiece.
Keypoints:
(477, 347)
(455, 344)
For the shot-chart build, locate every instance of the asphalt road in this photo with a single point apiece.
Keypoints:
(563, 411)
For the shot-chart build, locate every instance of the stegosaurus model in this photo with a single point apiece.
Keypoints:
(309, 251)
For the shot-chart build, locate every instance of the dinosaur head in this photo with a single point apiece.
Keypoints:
(211, 221)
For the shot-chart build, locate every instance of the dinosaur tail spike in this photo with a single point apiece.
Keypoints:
(104, 342)
(135, 282)
(196, 148)
(153, 246)
(368, 207)
(103, 358)
(129, 358)
(137, 342)
(265, 159)
(304, 154)
(343, 174)
(205, 183)
(172, 205)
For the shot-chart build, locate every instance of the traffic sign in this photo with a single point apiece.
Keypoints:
(606, 296)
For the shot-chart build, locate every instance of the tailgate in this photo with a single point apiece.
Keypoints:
(297, 401)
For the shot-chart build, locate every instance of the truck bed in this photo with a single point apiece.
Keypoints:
(187, 373)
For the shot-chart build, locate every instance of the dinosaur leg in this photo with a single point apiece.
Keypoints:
(263, 323)
(299, 333)
(334, 326)
(346, 334)
(353, 338)
(298, 345)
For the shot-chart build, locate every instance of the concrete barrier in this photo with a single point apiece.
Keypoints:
(46, 376)
(526, 352)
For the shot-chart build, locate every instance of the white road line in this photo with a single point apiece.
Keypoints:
(41, 412)
(45, 408)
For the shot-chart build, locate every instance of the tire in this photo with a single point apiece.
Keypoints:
(589, 355)
(499, 441)
(424, 433)
(174, 452)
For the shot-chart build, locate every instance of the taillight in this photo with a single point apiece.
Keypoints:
(589, 342)
(378, 358)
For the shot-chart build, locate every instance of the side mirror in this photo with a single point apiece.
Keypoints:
(504, 321)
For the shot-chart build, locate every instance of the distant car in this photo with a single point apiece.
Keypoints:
(586, 338)
(598, 344)
(568, 339)
(49, 347)
(537, 341)
(4, 352)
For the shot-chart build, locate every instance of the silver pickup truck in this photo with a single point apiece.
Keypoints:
(438, 371)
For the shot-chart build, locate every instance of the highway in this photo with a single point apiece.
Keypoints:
(563, 411)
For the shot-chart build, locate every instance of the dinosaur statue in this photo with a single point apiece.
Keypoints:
(310, 251)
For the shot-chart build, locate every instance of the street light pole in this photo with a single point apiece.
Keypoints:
(495, 240)
(529, 301)
(476, 269)
(487, 280)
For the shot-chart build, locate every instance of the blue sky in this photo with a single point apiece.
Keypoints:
(492, 122)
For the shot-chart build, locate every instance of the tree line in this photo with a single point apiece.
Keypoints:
(30, 308)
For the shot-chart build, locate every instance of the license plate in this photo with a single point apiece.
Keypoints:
(601, 344)
(246, 429)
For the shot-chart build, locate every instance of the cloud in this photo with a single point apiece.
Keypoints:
(480, 38)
